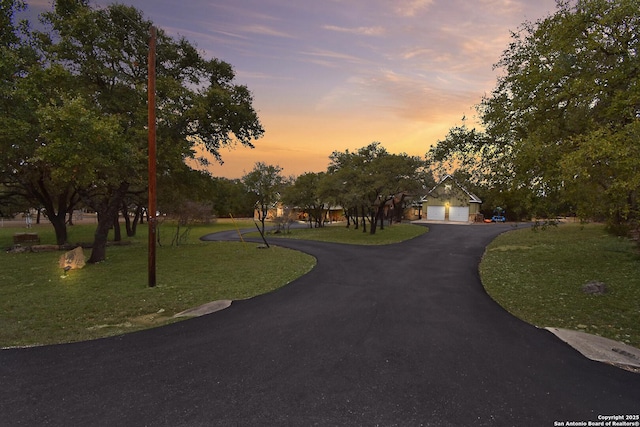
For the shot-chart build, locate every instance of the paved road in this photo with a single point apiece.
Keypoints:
(400, 335)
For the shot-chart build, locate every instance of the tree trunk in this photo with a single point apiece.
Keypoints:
(64, 203)
(106, 215)
(397, 208)
(356, 218)
(134, 224)
(364, 219)
(264, 210)
(99, 251)
(127, 220)
(117, 233)
(374, 219)
(60, 226)
(176, 238)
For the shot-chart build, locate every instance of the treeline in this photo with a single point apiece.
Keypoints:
(369, 185)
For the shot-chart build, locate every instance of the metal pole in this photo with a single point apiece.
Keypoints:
(151, 93)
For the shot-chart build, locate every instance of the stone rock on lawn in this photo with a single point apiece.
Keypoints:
(595, 288)
(73, 259)
(18, 249)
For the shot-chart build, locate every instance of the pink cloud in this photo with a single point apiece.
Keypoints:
(365, 31)
(410, 8)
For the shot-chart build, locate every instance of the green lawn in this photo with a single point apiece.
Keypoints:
(538, 277)
(40, 305)
(83, 232)
(339, 233)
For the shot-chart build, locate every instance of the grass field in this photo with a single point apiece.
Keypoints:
(538, 277)
(41, 305)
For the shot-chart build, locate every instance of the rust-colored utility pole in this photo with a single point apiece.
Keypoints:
(151, 93)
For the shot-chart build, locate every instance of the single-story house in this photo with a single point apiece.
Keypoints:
(278, 210)
(450, 201)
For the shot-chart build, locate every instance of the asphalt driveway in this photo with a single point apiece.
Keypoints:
(398, 335)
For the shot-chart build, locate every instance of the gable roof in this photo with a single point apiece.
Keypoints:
(472, 197)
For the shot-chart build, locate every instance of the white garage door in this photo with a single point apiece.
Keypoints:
(435, 213)
(459, 213)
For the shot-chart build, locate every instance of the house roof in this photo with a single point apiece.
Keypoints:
(472, 197)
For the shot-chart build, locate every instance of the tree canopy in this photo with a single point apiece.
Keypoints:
(306, 193)
(79, 129)
(264, 182)
(371, 178)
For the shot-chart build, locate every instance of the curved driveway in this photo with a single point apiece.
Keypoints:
(397, 335)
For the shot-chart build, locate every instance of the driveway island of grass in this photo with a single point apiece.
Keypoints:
(339, 233)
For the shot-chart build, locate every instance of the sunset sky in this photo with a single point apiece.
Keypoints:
(339, 74)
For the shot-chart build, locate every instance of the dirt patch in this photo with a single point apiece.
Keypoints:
(150, 319)
(145, 320)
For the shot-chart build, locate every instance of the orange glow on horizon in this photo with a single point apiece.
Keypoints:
(302, 144)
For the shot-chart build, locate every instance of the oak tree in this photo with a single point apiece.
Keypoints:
(372, 181)
(82, 134)
(265, 183)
